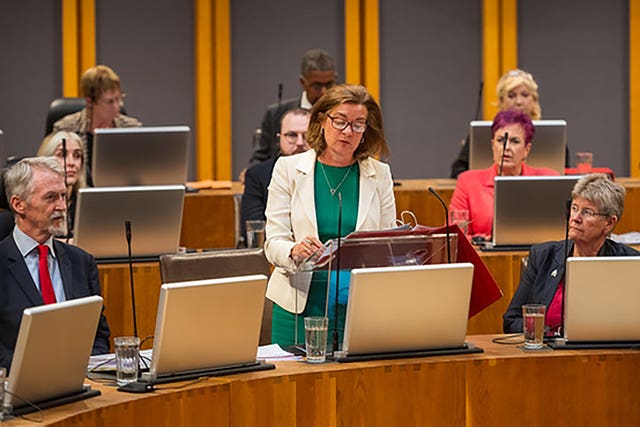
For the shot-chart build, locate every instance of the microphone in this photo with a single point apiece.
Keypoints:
(446, 219)
(335, 309)
(127, 230)
(479, 104)
(504, 148)
(279, 95)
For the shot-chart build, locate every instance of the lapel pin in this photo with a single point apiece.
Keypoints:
(554, 273)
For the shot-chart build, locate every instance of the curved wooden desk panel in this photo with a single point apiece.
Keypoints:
(208, 218)
(503, 386)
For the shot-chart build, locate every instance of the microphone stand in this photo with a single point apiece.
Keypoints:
(335, 309)
(504, 148)
(127, 228)
(446, 219)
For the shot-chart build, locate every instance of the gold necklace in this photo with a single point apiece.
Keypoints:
(326, 178)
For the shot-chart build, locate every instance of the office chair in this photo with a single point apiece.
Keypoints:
(219, 264)
(62, 107)
(6, 216)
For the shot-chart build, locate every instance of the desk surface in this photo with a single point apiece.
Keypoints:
(503, 386)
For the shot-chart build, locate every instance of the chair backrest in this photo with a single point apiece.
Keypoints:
(220, 264)
(62, 107)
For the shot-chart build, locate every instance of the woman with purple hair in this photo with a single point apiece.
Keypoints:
(512, 133)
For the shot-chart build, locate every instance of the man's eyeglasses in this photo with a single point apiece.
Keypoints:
(341, 124)
(318, 86)
(585, 212)
(292, 137)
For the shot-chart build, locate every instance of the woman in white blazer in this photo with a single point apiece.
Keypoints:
(345, 133)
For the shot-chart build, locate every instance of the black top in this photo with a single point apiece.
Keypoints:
(267, 145)
(545, 270)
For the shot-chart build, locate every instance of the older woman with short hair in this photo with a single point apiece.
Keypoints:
(596, 207)
(474, 189)
(307, 193)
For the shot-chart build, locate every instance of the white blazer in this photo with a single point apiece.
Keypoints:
(291, 216)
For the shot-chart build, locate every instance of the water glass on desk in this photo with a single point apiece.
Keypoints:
(315, 332)
(127, 351)
(584, 162)
(460, 217)
(533, 325)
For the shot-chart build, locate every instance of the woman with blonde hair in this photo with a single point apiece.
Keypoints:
(516, 91)
(72, 156)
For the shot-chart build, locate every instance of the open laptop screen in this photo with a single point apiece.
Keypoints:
(155, 213)
(602, 299)
(530, 209)
(207, 324)
(140, 156)
(52, 350)
(549, 145)
(394, 309)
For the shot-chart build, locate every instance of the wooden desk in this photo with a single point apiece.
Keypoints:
(114, 279)
(503, 386)
(209, 216)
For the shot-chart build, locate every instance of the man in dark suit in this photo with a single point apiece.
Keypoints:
(34, 267)
(256, 180)
(318, 73)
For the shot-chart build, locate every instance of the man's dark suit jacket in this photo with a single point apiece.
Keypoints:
(17, 291)
(539, 283)
(254, 199)
(268, 146)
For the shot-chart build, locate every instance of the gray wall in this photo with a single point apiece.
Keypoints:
(578, 53)
(149, 43)
(430, 73)
(268, 40)
(430, 68)
(30, 72)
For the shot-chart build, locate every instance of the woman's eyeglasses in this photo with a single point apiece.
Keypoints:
(341, 124)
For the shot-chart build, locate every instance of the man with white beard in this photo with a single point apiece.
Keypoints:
(35, 268)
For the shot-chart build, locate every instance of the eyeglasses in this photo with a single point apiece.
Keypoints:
(291, 137)
(319, 86)
(341, 124)
(585, 212)
(118, 100)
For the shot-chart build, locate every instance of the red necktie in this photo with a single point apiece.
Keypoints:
(46, 288)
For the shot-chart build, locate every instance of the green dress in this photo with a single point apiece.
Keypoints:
(343, 180)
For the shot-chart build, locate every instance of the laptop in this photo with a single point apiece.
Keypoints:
(51, 354)
(155, 213)
(601, 301)
(207, 327)
(529, 210)
(140, 156)
(549, 145)
(407, 311)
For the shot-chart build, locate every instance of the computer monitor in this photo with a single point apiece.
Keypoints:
(408, 308)
(155, 213)
(549, 145)
(51, 354)
(602, 299)
(207, 326)
(140, 156)
(530, 209)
